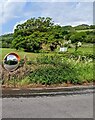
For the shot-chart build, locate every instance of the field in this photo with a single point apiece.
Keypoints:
(88, 48)
(84, 30)
(20, 53)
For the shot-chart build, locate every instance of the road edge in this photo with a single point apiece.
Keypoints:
(39, 92)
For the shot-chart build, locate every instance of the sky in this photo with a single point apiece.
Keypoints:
(11, 57)
(62, 12)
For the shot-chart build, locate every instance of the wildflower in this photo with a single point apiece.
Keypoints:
(79, 44)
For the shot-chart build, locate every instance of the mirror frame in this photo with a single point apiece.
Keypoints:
(18, 58)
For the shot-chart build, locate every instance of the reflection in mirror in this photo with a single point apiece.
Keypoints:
(11, 61)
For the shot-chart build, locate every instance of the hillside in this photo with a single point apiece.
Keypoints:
(6, 40)
(35, 33)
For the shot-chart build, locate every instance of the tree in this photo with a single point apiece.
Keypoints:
(6, 40)
(31, 34)
(41, 24)
(78, 36)
(82, 27)
(90, 39)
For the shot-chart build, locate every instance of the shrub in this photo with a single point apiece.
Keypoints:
(54, 74)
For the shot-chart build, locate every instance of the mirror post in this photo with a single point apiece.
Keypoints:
(11, 63)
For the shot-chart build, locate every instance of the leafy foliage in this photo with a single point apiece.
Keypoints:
(53, 75)
(6, 40)
(62, 73)
(32, 34)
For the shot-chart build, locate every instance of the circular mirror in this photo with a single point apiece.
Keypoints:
(11, 61)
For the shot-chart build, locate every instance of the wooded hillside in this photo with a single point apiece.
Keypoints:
(38, 33)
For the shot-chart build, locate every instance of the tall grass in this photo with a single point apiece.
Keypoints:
(52, 68)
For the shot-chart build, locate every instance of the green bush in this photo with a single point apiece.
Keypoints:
(54, 74)
(71, 72)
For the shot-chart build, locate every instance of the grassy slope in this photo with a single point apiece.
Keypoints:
(84, 30)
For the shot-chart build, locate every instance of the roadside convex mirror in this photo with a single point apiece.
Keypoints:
(11, 61)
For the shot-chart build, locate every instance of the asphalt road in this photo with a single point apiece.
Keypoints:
(76, 106)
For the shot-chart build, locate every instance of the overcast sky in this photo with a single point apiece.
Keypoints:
(63, 12)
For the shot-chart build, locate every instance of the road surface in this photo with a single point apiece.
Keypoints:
(76, 106)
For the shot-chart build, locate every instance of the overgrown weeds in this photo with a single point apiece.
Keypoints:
(53, 69)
